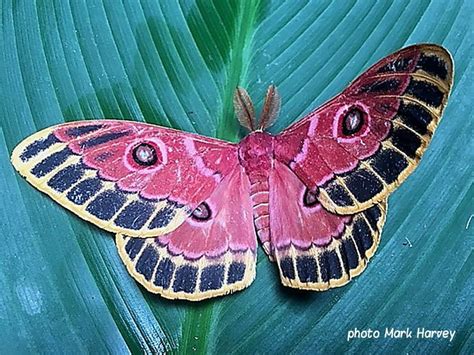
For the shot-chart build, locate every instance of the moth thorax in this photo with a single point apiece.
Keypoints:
(255, 153)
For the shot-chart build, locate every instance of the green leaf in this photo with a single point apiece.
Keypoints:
(63, 286)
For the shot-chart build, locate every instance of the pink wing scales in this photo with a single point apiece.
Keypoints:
(362, 144)
(332, 173)
(100, 171)
(314, 248)
(204, 257)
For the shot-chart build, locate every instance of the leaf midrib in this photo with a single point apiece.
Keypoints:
(240, 53)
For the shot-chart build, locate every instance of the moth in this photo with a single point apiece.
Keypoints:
(187, 210)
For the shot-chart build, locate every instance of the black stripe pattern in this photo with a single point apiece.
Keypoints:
(67, 177)
(158, 268)
(79, 131)
(323, 265)
(38, 146)
(51, 162)
(128, 211)
(71, 177)
(102, 139)
(421, 85)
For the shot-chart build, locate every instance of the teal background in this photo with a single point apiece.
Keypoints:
(63, 287)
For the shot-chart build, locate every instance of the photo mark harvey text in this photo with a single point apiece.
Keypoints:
(405, 333)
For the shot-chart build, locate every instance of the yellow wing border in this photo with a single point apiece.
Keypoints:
(320, 268)
(56, 171)
(419, 113)
(175, 277)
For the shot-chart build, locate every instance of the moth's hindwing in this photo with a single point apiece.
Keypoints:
(176, 277)
(212, 253)
(323, 267)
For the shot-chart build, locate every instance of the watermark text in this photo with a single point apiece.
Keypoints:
(405, 333)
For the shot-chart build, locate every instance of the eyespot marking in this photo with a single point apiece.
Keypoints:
(202, 212)
(353, 121)
(310, 198)
(144, 154)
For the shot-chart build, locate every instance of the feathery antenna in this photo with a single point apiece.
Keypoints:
(271, 107)
(244, 109)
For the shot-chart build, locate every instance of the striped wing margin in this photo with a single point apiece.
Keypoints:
(346, 256)
(206, 256)
(91, 168)
(176, 277)
(400, 101)
(417, 113)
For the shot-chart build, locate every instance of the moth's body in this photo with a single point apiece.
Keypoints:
(256, 157)
(256, 154)
(188, 210)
